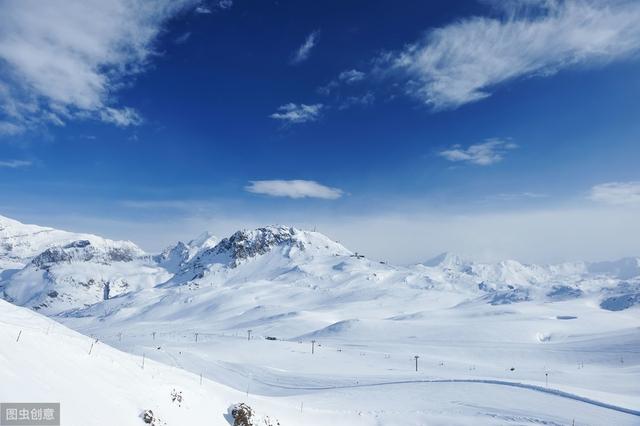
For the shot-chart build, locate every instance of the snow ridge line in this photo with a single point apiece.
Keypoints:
(535, 388)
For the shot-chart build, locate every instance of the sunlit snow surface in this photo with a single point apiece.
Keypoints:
(498, 344)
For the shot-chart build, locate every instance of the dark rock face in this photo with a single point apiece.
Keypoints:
(514, 295)
(620, 303)
(78, 244)
(51, 256)
(243, 244)
(82, 251)
(564, 292)
(623, 296)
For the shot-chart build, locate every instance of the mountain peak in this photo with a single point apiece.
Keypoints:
(250, 243)
(446, 260)
(203, 241)
(287, 243)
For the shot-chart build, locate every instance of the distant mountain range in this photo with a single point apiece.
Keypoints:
(63, 273)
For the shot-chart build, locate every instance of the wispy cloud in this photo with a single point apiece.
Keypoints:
(483, 154)
(209, 8)
(181, 39)
(122, 117)
(464, 62)
(14, 164)
(293, 189)
(303, 52)
(203, 10)
(351, 76)
(10, 129)
(65, 59)
(297, 114)
(347, 77)
(616, 193)
(225, 4)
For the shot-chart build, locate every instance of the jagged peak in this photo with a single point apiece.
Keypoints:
(205, 240)
(249, 243)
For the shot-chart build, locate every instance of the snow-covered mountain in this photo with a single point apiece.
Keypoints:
(53, 270)
(509, 280)
(80, 274)
(173, 258)
(268, 251)
(20, 242)
(76, 274)
(242, 310)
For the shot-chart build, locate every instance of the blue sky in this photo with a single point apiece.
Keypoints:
(493, 129)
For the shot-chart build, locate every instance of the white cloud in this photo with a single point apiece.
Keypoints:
(483, 154)
(303, 52)
(351, 76)
(293, 189)
(464, 61)
(122, 117)
(66, 59)
(616, 193)
(10, 129)
(346, 77)
(225, 4)
(15, 164)
(297, 114)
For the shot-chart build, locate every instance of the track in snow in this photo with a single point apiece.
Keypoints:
(535, 388)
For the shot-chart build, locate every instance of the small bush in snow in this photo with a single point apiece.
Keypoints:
(243, 415)
(176, 397)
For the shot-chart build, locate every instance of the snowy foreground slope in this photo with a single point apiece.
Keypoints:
(96, 384)
(503, 343)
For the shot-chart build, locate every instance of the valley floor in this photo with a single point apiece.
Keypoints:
(558, 363)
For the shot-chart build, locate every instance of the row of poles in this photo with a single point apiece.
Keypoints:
(249, 332)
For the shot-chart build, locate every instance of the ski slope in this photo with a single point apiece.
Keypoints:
(99, 385)
(504, 343)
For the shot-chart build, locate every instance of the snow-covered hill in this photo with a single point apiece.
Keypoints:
(20, 242)
(95, 384)
(243, 312)
(80, 273)
(263, 252)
